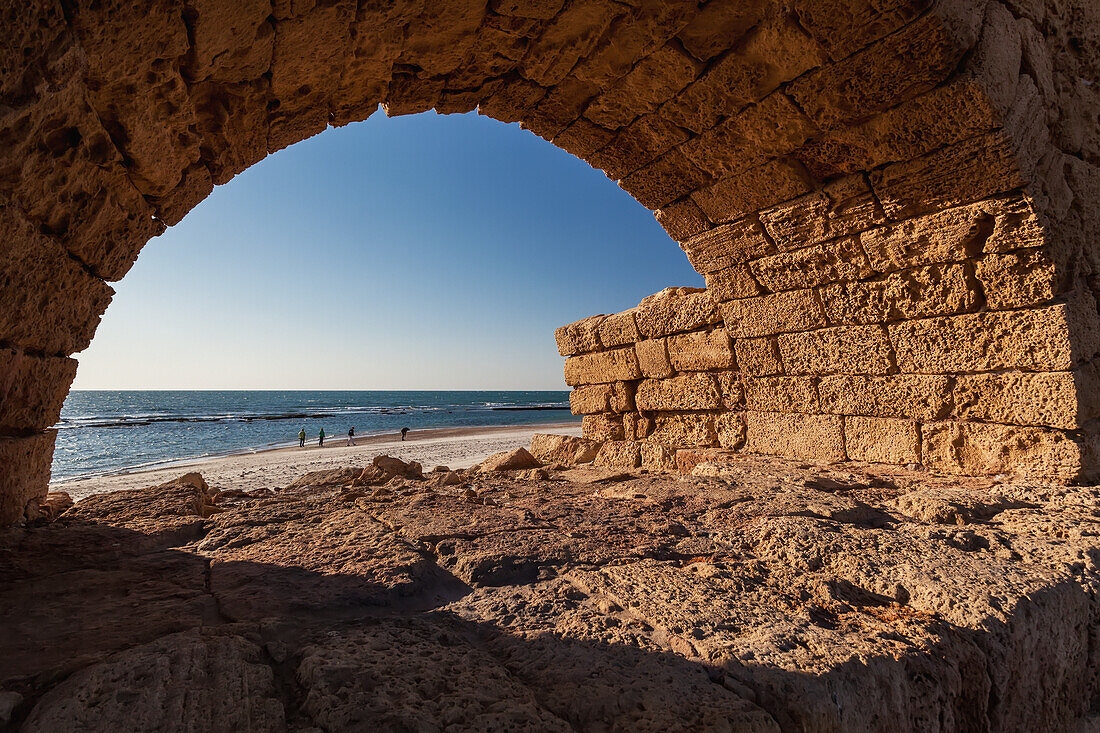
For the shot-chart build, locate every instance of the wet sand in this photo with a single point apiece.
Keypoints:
(277, 467)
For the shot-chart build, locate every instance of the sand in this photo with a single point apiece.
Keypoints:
(452, 447)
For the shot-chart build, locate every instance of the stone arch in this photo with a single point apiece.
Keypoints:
(892, 203)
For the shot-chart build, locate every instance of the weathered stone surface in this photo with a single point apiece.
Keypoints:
(985, 448)
(836, 261)
(701, 351)
(1018, 279)
(758, 357)
(618, 330)
(682, 219)
(603, 367)
(1054, 399)
(845, 206)
(844, 28)
(731, 430)
(637, 145)
(919, 292)
(753, 189)
(676, 310)
(653, 359)
(33, 456)
(727, 245)
(656, 457)
(695, 391)
(882, 440)
(562, 449)
(809, 437)
(619, 454)
(793, 310)
(579, 337)
(684, 429)
(781, 394)
(1044, 339)
(602, 427)
(668, 178)
(32, 389)
(844, 350)
(920, 396)
(654, 80)
(513, 460)
(733, 283)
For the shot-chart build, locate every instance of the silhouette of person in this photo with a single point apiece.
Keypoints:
(302, 438)
(351, 436)
(321, 439)
(404, 432)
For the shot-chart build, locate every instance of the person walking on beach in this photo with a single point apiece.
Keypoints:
(351, 436)
(321, 439)
(302, 438)
(404, 432)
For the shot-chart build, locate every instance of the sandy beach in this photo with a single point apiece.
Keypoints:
(277, 467)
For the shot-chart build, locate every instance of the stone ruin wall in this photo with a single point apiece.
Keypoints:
(770, 138)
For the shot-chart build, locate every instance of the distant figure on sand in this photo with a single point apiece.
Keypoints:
(351, 436)
(321, 439)
(404, 432)
(302, 438)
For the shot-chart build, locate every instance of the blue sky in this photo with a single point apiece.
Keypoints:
(420, 252)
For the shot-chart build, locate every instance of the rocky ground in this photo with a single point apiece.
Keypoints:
(755, 595)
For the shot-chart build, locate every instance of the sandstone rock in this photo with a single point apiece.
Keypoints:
(397, 467)
(846, 350)
(695, 391)
(675, 310)
(564, 449)
(603, 367)
(813, 437)
(985, 448)
(836, 261)
(512, 460)
(325, 478)
(701, 351)
(727, 245)
(50, 507)
(656, 457)
(653, 358)
(794, 310)
(619, 454)
(782, 394)
(925, 397)
(602, 427)
(882, 440)
(758, 356)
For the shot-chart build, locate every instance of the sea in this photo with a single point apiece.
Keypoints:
(103, 432)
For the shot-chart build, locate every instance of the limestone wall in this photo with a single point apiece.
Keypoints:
(913, 368)
(764, 134)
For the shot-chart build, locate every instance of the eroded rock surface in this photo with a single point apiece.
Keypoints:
(754, 595)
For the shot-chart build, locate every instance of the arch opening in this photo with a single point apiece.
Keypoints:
(894, 208)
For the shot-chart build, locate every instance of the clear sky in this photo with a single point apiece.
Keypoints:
(420, 252)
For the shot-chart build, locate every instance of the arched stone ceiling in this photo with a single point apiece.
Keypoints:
(750, 127)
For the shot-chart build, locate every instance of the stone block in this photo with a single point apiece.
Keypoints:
(837, 350)
(956, 234)
(684, 429)
(1049, 338)
(935, 290)
(24, 472)
(48, 303)
(667, 179)
(967, 171)
(652, 82)
(781, 394)
(602, 427)
(579, 337)
(618, 329)
(619, 454)
(911, 61)
(32, 389)
(565, 449)
(976, 449)
(582, 138)
(682, 219)
(917, 396)
(882, 440)
(653, 358)
(732, 283)
(846, 27)
(694, 391)
(730, 427)
(1018, 279)
(676, 310)
(719, 24)
(562, 105)
(604, 367)
(656, 457)
(701, 351)
(948, 114)
(640, 143)
(765, 185)
(512, 101)
(772, 53)
(793, 435)
(590, 399)
(839, 260)
(1050, 399)
(843, 207)
(750, 138)
(568, 37)
(729, 387)
(792, 310)
(758, 357)
(727, 245)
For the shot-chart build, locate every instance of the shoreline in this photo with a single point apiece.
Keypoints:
(270, 466)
